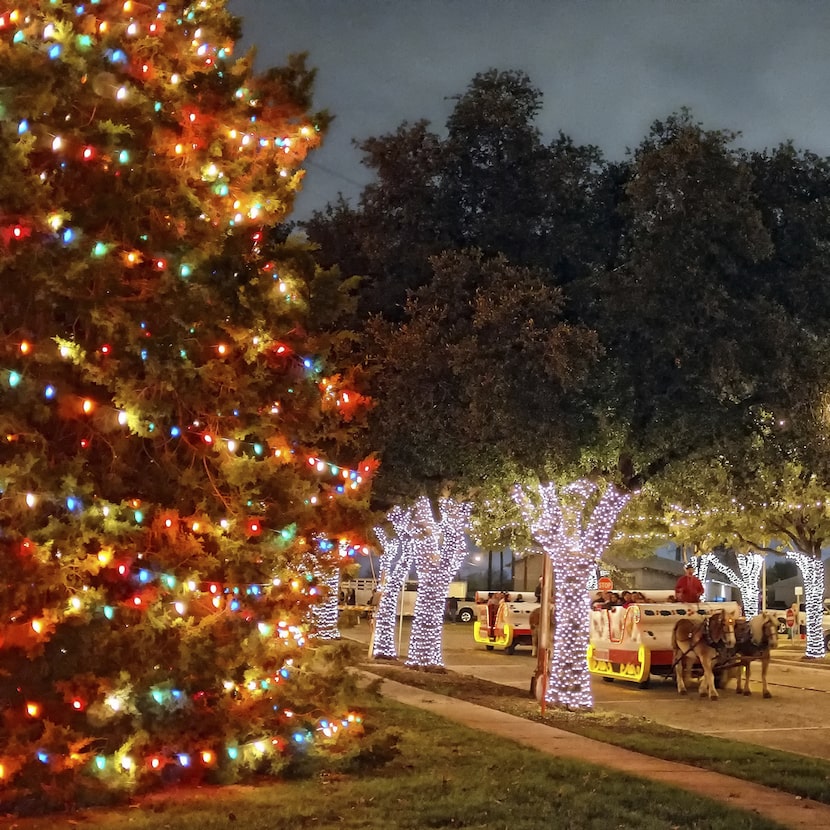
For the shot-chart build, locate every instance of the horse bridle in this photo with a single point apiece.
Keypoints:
(707, 634)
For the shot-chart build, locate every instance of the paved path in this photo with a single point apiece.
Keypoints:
(788, 810)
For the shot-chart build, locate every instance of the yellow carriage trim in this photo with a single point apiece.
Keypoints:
(637, 671)
(503, 638)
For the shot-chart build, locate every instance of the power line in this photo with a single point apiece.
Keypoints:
(322, 168)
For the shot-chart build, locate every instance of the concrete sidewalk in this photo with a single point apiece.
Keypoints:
(788, 810)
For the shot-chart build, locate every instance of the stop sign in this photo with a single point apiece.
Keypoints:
(605, 584)
(790, 617)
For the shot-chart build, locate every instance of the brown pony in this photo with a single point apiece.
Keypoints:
(753, 640)
(704, 642)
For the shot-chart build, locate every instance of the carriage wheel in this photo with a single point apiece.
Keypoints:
(608, 679)
(644, 683)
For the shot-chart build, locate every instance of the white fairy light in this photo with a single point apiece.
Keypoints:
(324, 615)
(438, 551)
(812, 572)
(574, 541)
(747, 581)
(394, 566)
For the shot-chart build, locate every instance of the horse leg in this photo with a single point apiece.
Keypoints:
(764, 667)
(747, 690)
(679, 668)
(741, 675)
(708, 681)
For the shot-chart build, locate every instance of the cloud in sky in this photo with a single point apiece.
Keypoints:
(607, 68)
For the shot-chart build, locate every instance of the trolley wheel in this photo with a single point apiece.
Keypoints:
(608, 679)
(511, 649)
(489, 648)
(644, 683)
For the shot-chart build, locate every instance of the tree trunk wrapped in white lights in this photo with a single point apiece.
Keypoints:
(395, 562)
(747, 581)
(324, 615)
(812, 572)
(574, 537)
(438, 551)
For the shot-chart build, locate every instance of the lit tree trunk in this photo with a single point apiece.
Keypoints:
(395, 563)
(747, 581)
(438, 550)
(574, 537)
(701, 566)
(325, 613)
(812, 572)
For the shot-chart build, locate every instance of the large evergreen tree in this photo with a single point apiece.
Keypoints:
(176, 469)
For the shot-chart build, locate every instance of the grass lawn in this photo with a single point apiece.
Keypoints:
(421, 771)
(788, 772)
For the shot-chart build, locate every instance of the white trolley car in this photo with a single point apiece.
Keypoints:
(633, 642)
(509, 625)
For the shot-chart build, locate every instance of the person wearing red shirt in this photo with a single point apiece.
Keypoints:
(688, 588)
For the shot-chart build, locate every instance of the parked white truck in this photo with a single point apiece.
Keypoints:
(365, 592)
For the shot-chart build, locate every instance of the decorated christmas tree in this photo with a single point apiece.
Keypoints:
(177, 472)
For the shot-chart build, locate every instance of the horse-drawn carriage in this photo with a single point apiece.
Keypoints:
(634, 642)
(506, 625)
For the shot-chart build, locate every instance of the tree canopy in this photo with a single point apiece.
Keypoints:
(679, 294)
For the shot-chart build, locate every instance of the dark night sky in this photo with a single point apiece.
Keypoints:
(607, 68)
